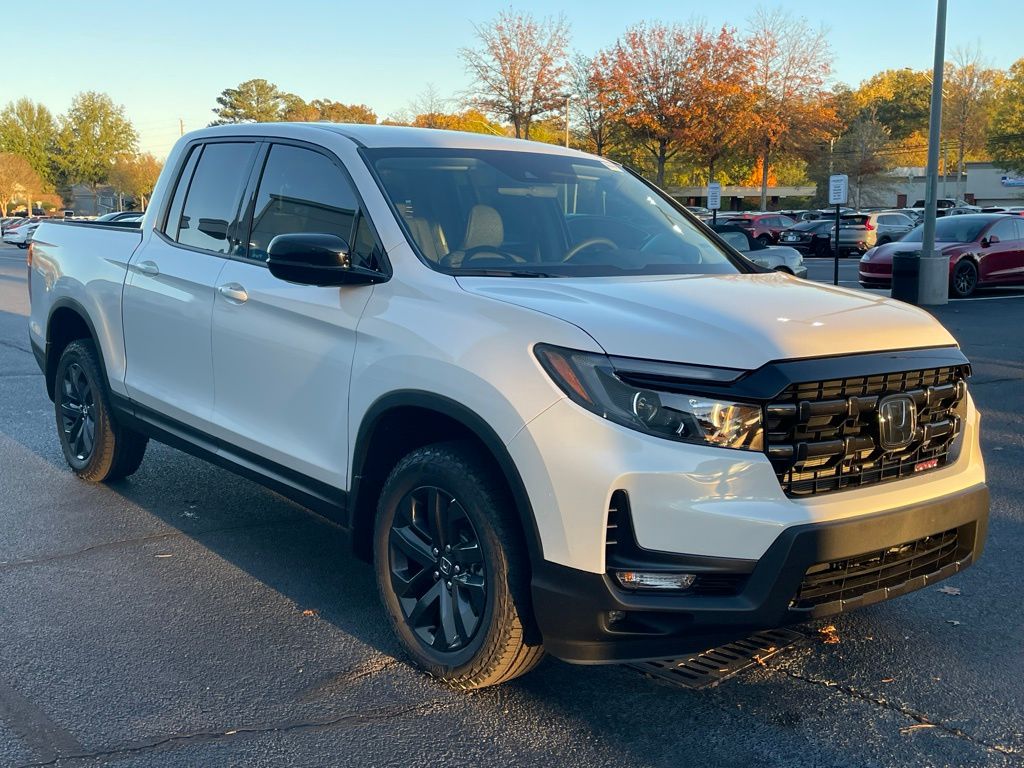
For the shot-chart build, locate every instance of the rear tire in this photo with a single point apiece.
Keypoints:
(764, 239)
(95, 446)
(964, 279)
(452, 571)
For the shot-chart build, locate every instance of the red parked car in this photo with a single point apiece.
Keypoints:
(764, 227)
(983, 248)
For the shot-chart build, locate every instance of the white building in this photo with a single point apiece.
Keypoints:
(981, 184)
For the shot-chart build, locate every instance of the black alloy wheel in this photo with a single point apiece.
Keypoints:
(965, 279)
(452, 567)
(78, 412)
(94, 444)
(437, 569)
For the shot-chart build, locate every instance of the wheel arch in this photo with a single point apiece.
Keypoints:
(67, 322)
(402, 421)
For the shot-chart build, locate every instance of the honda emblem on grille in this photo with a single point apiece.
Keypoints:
(897, 422)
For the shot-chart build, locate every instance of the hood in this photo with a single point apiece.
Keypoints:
(733, 321)
(882, 254)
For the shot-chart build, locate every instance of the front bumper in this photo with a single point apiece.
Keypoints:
(571, 605)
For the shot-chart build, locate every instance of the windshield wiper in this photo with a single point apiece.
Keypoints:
(503, 273)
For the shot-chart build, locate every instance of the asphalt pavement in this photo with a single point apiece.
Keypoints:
(187, 617)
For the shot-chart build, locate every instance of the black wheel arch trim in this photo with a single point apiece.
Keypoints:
(476, 424)
(49, 365)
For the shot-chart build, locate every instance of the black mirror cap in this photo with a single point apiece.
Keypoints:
(316, 258)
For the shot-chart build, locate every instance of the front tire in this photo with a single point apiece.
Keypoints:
(452, 570)
(964, 279)
(764, 239)
(95, 446)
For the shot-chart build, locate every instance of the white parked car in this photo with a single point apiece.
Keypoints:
(21, 235)
(554, 412)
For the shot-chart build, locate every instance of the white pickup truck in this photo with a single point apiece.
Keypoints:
(555, 411)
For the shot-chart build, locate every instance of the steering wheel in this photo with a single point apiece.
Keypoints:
(482, 251)
(590, 242)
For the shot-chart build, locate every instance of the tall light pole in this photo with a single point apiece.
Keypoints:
(934, 133)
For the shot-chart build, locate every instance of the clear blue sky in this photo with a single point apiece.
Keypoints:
(169, 60)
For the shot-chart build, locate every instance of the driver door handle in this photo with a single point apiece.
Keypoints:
(233, 292)
(147, 268)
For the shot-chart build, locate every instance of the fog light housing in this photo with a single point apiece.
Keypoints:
(655, 580)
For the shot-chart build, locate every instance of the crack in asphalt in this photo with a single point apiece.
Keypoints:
(205, 737)
(913, 714)
(12, 564)
(12, 345)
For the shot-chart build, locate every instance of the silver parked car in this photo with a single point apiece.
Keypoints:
(860, 232)
(781, 258)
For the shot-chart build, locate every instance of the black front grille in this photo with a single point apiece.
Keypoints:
(823, 436)
(872, 571)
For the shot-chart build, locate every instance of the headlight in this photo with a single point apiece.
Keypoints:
(593, 381)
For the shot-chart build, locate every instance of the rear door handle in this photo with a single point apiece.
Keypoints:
(233, 292)
(147, 268)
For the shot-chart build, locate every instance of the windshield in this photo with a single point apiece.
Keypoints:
(958, 229)
(532, 214)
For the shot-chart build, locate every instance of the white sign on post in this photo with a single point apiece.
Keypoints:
(838, 189)
(714, 196)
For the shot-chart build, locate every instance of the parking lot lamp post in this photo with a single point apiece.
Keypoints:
(933, 276)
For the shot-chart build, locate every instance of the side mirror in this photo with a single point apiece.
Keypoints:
(215, 228)
(316, 258)
(991, 240)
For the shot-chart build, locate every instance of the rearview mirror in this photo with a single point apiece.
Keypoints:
(316, 258)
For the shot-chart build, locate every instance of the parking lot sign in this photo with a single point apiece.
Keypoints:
(714, 195)
(838, 189)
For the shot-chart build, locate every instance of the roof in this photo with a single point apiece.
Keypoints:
(395, 136)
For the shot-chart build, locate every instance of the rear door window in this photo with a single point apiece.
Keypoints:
(210, 217)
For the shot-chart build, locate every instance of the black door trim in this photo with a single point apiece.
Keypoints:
(318, 496)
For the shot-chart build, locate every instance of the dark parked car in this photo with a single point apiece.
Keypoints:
(811, 237)
(983, 249)
(763, 227)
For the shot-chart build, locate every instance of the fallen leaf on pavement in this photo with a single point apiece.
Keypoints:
(829, 635)
(949, 590)
(888, 679)
(916, 727)
(310, 612)
(954, 622)
(164, 554)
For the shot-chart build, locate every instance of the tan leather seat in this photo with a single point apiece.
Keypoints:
(484, 229)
